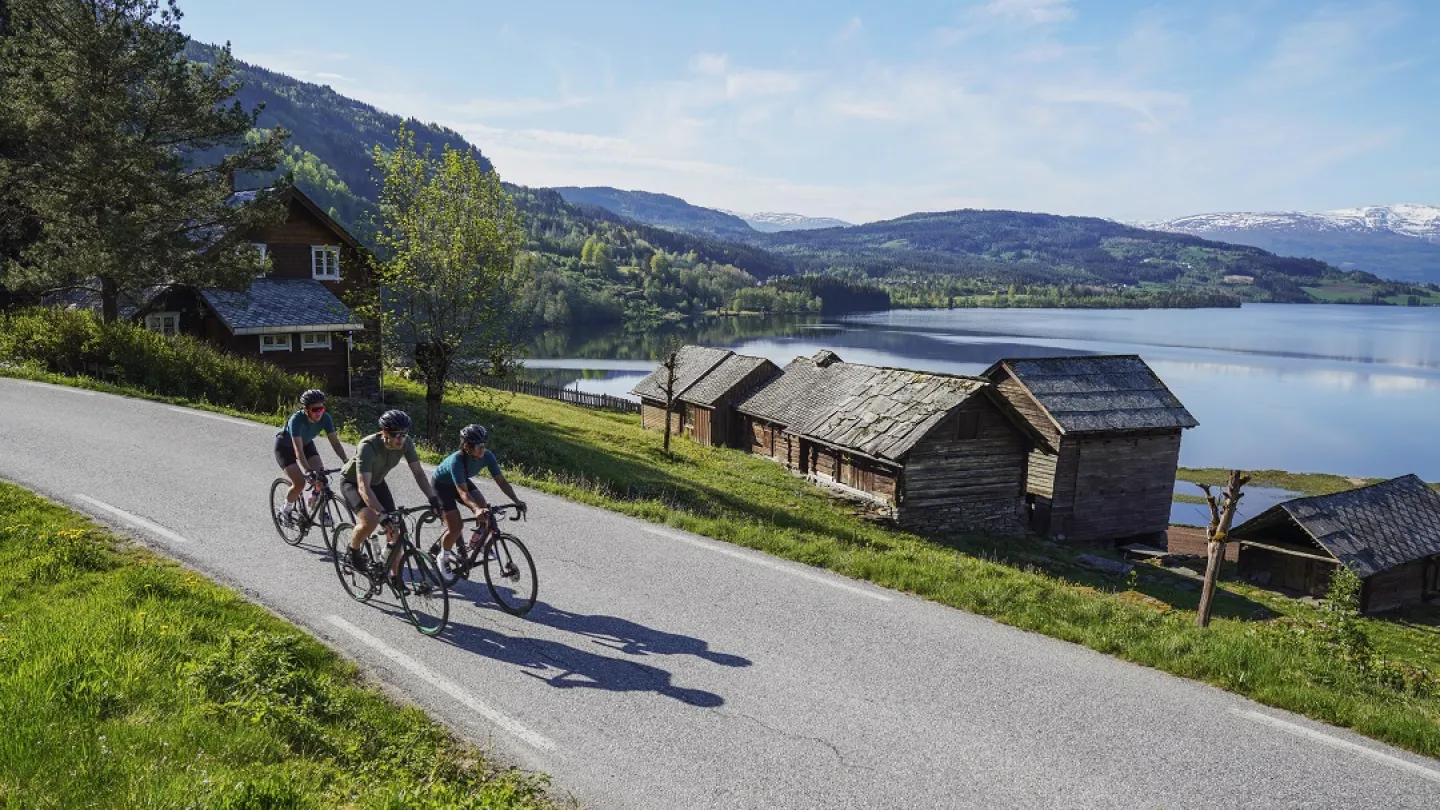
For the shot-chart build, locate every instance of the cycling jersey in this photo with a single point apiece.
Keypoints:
(300, 425)
(372, 456)
(459, 467)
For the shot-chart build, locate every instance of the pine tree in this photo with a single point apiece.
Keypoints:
(113, 128)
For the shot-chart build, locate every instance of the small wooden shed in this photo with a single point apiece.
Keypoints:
(937, 449)
(1387, 533)
(1108, 446)
(707, 382)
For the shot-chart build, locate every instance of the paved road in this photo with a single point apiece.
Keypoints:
(663, 670)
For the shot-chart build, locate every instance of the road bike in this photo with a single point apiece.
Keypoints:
(323, 510)
(509, 568)
(417, 583)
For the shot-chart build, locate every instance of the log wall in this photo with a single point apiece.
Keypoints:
(974, 483)
(1113, 486)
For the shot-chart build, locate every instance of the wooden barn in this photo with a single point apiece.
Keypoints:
(707, 383)
(938, 450)
(1387, 533)
(1108, 430)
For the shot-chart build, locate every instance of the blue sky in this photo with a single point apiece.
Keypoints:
(865, 111)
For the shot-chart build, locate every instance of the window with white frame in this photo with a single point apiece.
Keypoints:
(325, 262)
(264, 250)
(314, 340)
(166, 323)
(274, 343)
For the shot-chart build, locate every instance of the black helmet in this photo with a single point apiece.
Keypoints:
(474, 435)
(312, 397)
(394, 421)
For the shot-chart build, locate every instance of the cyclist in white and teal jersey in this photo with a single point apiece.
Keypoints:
(362, 480)
(295, 447)
(452, 483)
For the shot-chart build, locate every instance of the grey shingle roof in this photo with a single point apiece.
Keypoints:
(274, 304)
(888, 411)
(803, 391)
(718, 384)
(1091, 394)
(1370, 529)
(694, 362)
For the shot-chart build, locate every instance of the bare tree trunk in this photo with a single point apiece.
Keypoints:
(1221, 516)
(109, 299)
(434, 399)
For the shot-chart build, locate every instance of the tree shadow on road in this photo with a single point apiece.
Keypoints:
(566, 667)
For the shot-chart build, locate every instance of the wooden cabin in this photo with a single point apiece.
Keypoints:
(294, 317)
(937, 450)
(1108, 430)
(1387, 533)
(707, 384)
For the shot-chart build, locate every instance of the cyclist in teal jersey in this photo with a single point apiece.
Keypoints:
(452, 484)
(295, 447)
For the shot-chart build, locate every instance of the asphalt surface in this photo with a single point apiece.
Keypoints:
(664, 670)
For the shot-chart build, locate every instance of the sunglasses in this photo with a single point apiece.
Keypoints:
(395, 436)
(316, 409)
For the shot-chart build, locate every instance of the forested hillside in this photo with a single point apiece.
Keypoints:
(661, 210)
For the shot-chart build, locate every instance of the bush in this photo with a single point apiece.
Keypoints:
(72, 342)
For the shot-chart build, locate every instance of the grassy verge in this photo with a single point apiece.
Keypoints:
(126, 681)
(1304, 483)
(1277, 651)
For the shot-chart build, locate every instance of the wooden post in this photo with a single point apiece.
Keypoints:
(1222, 515)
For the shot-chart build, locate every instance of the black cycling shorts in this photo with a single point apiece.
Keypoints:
(351, 491)
(450, 495)
(285, 450)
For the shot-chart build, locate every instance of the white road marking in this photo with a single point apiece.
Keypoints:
(221, 418)
(1336, 742)
(135, 519)
(52, 387)
(449, 687)
(754, 557)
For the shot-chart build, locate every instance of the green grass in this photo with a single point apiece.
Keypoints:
(1362, 294)
(127, 681)
(1304, 483)
(1259, 644)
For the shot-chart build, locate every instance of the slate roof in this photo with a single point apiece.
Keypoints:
(803, 391)
(721, 380)
(694, 362)
(1370, 529)
(281, 304)
(887, 411)
(1096, 394)
(879, 412)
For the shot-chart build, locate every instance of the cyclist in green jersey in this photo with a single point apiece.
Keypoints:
(295, 447)
(362, 480)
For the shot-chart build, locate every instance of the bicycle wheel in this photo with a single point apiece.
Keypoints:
(291, 531)
(423, 593)
(510, 575)
(340, 514)
(356, 583)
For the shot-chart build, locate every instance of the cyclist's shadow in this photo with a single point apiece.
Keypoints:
(565, 667)
(623, 635)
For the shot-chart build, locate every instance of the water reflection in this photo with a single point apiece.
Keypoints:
(1342, 389)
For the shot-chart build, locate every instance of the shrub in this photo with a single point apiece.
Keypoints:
(71, 342)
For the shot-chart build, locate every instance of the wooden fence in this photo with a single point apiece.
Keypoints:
(581, 398)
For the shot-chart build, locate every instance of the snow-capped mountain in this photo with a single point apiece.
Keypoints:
(1392, 241)
(770, 222)
(1420, 221)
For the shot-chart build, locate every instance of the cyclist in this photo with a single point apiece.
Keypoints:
(362, 480)
(452, 483)
(295, 448)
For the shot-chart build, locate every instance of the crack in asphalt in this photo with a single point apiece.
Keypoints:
(834, 749)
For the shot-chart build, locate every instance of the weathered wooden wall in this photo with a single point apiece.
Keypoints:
(1124, 485)
(955, 481)
(1286, 570)
(1013, 392)
(1402, 585)
(652, 416)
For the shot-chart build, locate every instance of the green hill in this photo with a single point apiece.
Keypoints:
(661, 210)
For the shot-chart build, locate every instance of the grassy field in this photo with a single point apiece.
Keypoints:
(1277, 651)
(127, 681)
(1362, 293)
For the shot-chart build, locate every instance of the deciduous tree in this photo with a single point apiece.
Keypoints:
(448, 237)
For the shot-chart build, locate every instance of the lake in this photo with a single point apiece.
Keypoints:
(1352, 390)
